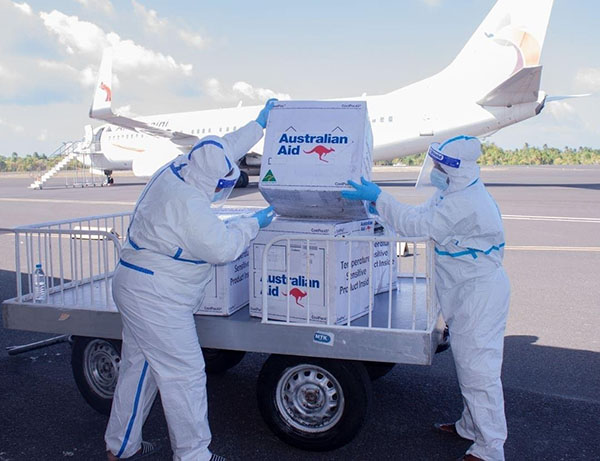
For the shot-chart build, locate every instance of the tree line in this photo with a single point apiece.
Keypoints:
(31, 162)
(526, 155)
(492, 155)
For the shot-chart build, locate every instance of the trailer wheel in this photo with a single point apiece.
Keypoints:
(243, 180)
(445, 344)
(312, 403)
(218, 361)
(95, 363)
(378, 370)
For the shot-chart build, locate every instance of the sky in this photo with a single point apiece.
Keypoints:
(192, 55)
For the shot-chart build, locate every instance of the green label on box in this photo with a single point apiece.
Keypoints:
(269, 177)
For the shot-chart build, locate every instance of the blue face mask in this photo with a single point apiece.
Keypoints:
(439, 179)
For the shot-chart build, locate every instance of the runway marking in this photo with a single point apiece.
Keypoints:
(552, 248)
(85, 202)
(550, 218)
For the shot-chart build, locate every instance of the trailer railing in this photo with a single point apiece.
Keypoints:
(406, 303)
(78, 257)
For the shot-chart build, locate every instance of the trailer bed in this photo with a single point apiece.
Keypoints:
(66, 313)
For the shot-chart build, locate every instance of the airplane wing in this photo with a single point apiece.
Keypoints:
(102, 110)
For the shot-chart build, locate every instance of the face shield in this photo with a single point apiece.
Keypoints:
(434, 159)
(225, 185)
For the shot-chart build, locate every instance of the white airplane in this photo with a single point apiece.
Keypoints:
(493, 82)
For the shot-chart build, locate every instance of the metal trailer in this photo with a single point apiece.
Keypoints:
(313, 390)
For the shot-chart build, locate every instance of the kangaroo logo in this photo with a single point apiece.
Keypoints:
(297, 293)
(321, 151)
(105, 87)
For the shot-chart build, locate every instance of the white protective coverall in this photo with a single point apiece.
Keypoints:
(173, 240)
(472, 287)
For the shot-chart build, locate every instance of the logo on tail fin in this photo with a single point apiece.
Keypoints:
(526, 46)
(106, 88)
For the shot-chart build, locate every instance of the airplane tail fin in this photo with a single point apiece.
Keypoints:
(102, 103)
(501, 61)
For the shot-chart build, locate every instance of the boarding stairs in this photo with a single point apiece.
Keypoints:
(79, 175)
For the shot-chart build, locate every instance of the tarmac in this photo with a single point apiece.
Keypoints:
(551, 370)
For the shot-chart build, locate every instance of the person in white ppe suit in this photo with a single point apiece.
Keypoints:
(173, 239)
(472, 287)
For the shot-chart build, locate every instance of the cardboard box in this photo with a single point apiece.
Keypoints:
(228, 290)
(311, 150)
(309, 290)
(382, 262)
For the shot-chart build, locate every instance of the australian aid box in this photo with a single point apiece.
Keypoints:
(227, 292)
(311, 150)
(312, 277)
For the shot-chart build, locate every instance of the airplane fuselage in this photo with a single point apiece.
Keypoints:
(402, 125)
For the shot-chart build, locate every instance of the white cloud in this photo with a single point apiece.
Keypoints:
(43, 135)
(149, 16)
(76, 35)
(155, 24)
(6, 74)
(589, 78)
(192, 39)
(240, 90)
(88, 77)
(215, 91)
(12, 126)
(83, 37)
(562, 111)
(130, 56)
(102, 5)
(257, 94)
(24, 7)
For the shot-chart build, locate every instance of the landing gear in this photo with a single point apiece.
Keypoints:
(243, 180)
(109, 179)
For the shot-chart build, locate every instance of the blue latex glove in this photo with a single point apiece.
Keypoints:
(264, 113)
(264, 216)
(368, 191)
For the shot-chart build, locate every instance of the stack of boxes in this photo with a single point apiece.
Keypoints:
(228, 290)
(311, 150)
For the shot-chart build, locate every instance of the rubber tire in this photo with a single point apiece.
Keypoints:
(99, 403)
(445, 344)
(243, 180)
(356, 386)
(378, 370)
(218, 361)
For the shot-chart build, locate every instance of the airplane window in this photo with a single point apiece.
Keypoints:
(374, 120)
(234, 128)
(220, 129)
(203, 130)
(381, 119)
(227, 129)
(209, 130)
(390, 119)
